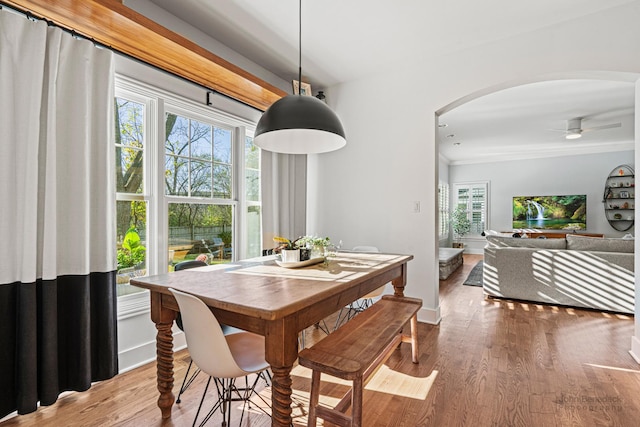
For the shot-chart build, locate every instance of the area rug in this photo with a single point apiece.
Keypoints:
(475, 276)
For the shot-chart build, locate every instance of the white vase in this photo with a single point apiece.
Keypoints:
(290, 255)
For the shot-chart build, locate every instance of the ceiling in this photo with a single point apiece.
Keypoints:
(348, 40)
(528, 121)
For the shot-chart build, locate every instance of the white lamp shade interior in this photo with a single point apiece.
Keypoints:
(300, 141)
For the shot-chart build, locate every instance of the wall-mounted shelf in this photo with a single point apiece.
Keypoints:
(619, 198)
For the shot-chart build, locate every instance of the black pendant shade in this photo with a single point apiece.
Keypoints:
(299, 124)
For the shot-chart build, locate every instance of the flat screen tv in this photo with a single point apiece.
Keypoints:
(550, 212)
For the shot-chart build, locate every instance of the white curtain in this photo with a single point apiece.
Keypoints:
(57, 186)
(284, 196)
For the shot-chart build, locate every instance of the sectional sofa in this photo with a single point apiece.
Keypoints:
(574, 271)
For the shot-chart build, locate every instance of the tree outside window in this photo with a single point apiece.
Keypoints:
(199, 165)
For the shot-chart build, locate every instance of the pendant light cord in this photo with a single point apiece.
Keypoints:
(300, 48)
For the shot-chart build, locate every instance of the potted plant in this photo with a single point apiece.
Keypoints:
(289, 250)
(316, 245)
(460, 224)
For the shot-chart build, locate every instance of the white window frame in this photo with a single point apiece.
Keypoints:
(470, 186)
(157, 102)
(242, 214)
(443, 211)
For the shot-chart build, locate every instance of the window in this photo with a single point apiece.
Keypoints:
(187, 197)
(199, 182)
(131, 199)
(443, 210)
(198, 158)
(473, 197)
(253, 217)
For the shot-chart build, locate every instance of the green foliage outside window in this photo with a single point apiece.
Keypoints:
(226, 238)
(132, 252)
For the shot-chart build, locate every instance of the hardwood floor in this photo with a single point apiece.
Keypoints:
(489, 363)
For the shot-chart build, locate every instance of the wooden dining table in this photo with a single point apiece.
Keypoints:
(261, 296)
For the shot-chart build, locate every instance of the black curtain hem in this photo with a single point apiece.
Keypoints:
(56, 335)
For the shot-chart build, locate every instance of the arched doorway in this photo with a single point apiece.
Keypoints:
(607, 112)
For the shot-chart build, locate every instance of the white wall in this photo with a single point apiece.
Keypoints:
(583, 174)
(363, 193)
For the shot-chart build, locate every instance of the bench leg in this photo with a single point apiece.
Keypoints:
(314, 398)
(356, 402)
(414, 339)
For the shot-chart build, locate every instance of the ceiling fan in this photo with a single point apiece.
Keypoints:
(574, 128)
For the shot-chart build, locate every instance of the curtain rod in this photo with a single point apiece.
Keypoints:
(29, 15)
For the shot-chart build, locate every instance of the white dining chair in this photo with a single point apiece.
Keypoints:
(223, 357)
(188, 379)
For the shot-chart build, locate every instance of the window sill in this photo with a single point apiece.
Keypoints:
(133, 305)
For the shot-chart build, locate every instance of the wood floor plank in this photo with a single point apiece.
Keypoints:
(489, 363)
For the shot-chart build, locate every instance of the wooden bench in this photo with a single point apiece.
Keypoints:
(355, 351)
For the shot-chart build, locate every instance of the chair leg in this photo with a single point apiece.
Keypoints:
(226, 388)
(322, 325)
(201, 402)
(219, 403)
(350, 312)
(228, 404)
(269, 381)
(186, 383)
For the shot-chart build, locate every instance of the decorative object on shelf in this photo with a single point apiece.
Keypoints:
(298, 124)
(619, 197)
(301, 88)
(321, 96)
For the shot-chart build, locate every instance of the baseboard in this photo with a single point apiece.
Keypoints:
(635, 349)
(145, 353)
(429, 315)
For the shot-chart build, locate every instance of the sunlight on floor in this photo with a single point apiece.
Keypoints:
(384, 381)
(632, 371)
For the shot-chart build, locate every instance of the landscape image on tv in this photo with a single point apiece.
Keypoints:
(550, 212)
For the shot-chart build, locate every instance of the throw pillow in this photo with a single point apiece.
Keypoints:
(512, 242)
(599, 244)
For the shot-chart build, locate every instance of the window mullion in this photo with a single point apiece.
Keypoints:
(239, 190)
(155, 175)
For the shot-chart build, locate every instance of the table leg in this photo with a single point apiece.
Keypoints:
(400, 282)
(281, 397)
(163, 318)
(281, 352)
(164, 356)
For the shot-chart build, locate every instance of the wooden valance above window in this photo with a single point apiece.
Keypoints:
(112, 24)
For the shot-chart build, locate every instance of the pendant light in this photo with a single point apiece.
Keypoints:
(299, 124)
